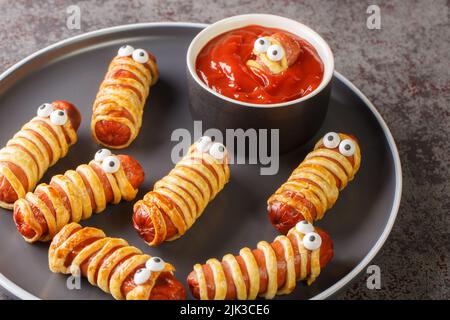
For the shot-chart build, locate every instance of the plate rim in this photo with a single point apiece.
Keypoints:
(21, 293)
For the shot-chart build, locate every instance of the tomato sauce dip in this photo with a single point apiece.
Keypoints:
(222, 65)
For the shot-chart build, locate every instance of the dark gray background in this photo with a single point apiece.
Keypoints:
(402, 68)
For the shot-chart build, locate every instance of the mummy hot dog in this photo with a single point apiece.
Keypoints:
(314, 185)
(179, 198)
(275, 53)
(37, 146)
(271, 269)
(77, 194)
(113, 265)
(119, 105)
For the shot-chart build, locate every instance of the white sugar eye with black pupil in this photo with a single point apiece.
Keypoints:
(347, 147)
(275, 52)
(101, 154)
(331, 140)
(304, 227)
(45, 110)
(312, 241)
(58, 117)
(217, 151)
(140, 55)
(111, 164)
(141, 276)
(261, 45)
(155, 264)
(203, 144)
(125, 51)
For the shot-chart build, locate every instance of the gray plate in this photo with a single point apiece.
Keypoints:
(72, 70)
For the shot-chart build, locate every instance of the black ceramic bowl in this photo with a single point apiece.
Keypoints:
(298, 120)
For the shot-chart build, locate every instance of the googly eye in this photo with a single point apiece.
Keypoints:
(58, 117)
(140, 55)
(304, 227)
(261, 45)
(101, 154)
(155, 264)
(45, 110)
(331, 140)
(141, 276)
(312, 241)
(203, 144)
(111, 164)
(275, 52)
(125, 51)
(217, 151)
(347, 147)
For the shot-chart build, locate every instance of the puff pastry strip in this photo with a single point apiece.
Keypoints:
(269, 270)
(179, 199)
(110, 264)
(291, 50)
(119, 105)
(36, 147)
(74, 196)
(314, 185)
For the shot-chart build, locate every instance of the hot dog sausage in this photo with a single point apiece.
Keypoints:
(291, 47)
(76, 195)
(72, 112)
(314, 185)
(266, 271)
(290, 51)
(38, 145)
(113, 265)
(119, 105)
(179, 198)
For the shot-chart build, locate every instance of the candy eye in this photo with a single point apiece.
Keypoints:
(312, 241)
(217, 150)
(45, 110)
(347, 147)
(155, 264)
(275, 52)
(140, 55)
(141, 276)
(125, 51)
(111, 164)
(203, 144)
(101, 154)
(331, 140)
(304, 227)
(58, 117)
(261, 45)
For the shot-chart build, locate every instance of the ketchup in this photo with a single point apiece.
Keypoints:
(221, 64)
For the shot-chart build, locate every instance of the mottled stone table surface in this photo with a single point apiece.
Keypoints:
(403, 68)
